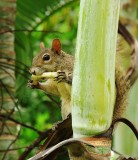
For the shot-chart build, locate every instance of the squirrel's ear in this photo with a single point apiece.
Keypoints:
(56, 45)
(42, 46)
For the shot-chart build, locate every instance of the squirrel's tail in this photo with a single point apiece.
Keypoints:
(122, 89)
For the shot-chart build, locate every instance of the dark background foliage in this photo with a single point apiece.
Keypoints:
(40, 21)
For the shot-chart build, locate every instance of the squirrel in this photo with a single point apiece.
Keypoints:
(55, 60)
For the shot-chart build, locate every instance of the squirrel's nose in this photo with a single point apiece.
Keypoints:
(32, 71)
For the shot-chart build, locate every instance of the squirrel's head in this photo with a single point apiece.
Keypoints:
(48, 59)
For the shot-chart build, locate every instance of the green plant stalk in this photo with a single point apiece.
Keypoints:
(93, 93)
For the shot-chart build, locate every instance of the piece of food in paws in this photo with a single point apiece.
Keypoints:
(44, 76)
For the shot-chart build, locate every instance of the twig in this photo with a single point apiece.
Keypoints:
(16, 61)
(125, 33)
(22, 124)
(11, 144)
(8, 92)
(12, 149)
(132, 72)
(12, 98)
(27, 30)
(12, 67)
(128, 123)
(41, 137)
(8, 129)
(2, 98)
(53, 100)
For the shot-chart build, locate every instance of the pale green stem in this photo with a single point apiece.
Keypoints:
(93, 92)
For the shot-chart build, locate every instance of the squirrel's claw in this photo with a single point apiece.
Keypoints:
(63, 77)
(31, 84)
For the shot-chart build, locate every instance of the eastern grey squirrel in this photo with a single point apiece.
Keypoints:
(55, 60)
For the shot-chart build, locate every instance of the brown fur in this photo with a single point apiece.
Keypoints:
(122, 89)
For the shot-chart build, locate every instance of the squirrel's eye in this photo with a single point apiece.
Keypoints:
(46, 57)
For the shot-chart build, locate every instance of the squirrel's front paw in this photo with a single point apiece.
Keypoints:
(63, 77)
(32, 85)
